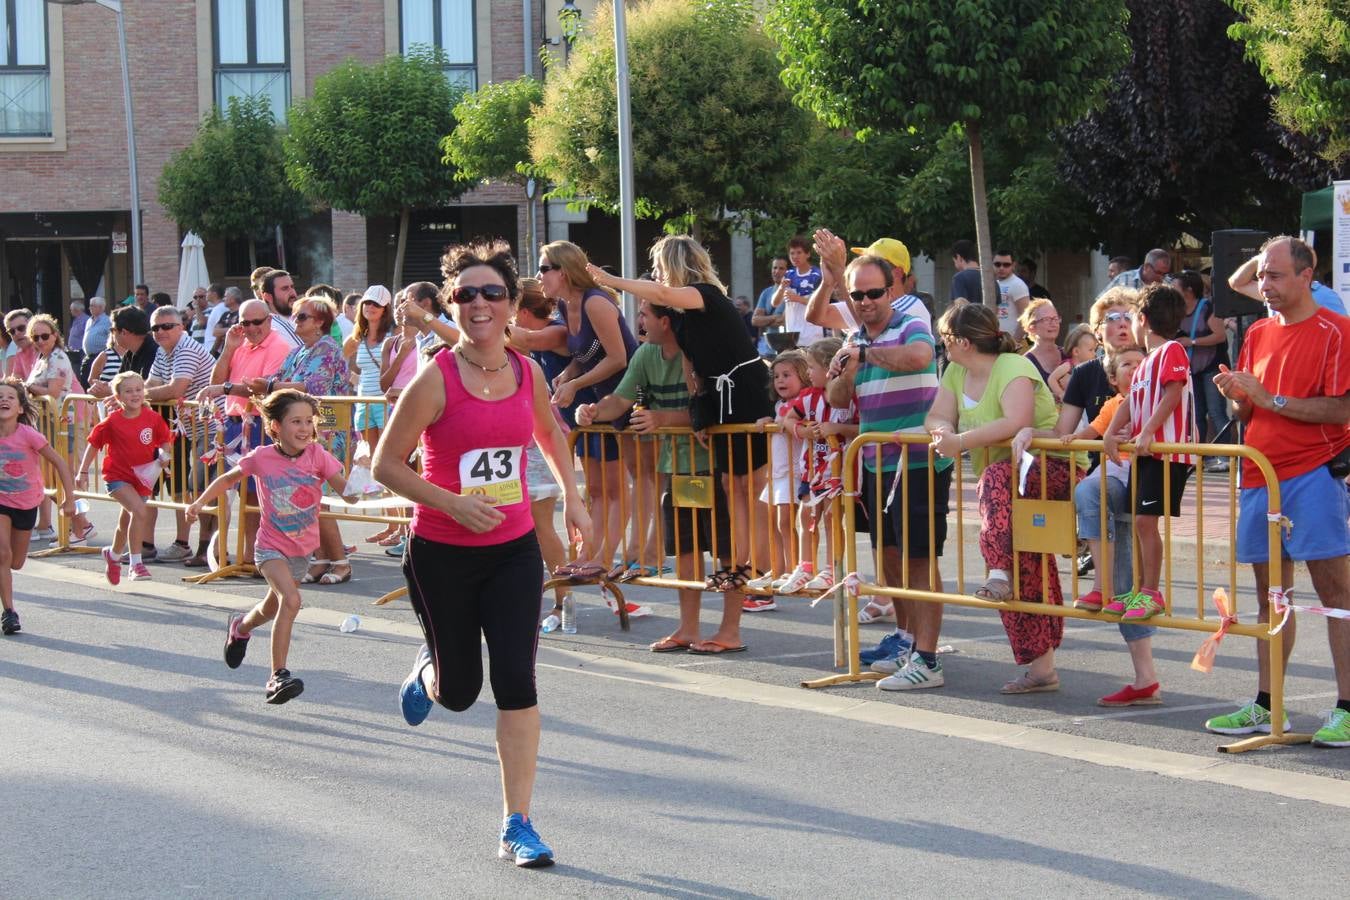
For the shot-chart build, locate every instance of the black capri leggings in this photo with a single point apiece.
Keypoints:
(460, 593)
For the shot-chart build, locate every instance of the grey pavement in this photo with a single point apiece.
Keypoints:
(136, 764)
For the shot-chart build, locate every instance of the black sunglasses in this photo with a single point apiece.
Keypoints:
(303, 317)
(164, 326)
(469, 293)
(252, 323)
(41, 338)
(871, 294)
(545, 267)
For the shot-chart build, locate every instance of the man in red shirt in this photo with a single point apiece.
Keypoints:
(1292, 389)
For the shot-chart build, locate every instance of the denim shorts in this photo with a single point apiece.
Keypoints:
(141, 490)
(299, 564)
(1317, 504)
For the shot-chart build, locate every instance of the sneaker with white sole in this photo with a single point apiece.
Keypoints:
(76, 539)
(796, 581)
(1335, 730)
(139, 572)
(44, 534)
(1250, 719)
(520, 843)
(112, 567)
(889, 647)
(763, 582)
(822, 582)
(892, 664)
(175, 552)
(759, 604)
(914, 676)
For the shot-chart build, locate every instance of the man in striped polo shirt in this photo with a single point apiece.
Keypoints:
(181, 369)
(888, 367)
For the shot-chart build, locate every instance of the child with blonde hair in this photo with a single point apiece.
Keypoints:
(133, 437)
(813, 420)
(790, 375)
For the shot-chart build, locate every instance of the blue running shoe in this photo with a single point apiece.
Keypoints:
(892, 646)
(413, 695)
(521, 842)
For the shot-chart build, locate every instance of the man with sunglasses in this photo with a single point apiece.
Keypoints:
(888, 366)
(822, 311)
(1013, 295)
(181, 369)
(20, 355)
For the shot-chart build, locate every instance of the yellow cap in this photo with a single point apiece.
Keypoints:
(889, 249)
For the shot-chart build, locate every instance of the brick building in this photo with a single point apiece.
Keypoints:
(63, 154)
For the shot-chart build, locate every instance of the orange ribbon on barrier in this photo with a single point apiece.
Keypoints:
(1204, 657)
(850, 584)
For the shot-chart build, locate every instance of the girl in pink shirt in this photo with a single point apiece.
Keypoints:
(22, 450)
(289, 474)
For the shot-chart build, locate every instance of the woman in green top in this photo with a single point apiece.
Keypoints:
(988, 393)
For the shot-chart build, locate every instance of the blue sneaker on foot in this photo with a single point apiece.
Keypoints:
(521, 842)
(892, 646)
(413, 695)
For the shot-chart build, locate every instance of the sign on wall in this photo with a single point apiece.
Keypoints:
(1340, 241)
(119, 242)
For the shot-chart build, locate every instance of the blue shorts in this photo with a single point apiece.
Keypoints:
(141, 490)
(1317, 504)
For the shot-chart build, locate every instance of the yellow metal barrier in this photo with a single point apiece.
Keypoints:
(1169, 619)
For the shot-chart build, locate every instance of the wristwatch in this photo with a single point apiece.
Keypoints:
(1279, 401)
(227, 387)
(428, 317)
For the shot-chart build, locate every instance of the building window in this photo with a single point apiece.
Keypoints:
(25, 77)
(252, 52)
(448, 25)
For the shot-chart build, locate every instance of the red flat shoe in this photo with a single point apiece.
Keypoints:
(1130, 695)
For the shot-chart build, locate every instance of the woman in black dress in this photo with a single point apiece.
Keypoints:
(730, 385)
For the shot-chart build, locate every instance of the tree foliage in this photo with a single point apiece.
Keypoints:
(1020, 65)
(1303, 48)
(491, 140)
(1184, 142)
(368, 140)
(230, 182)
(713, 127)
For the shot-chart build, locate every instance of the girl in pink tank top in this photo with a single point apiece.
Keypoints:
(473, 564)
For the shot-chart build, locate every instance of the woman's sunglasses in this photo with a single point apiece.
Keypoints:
(545, 268)
(468, 293)
(41, 338)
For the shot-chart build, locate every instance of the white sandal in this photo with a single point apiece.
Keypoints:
(310, 578)
(875, 612)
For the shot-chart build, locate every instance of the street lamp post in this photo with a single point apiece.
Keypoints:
(116, 6)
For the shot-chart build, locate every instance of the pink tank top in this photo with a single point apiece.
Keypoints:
(409, 369)
(478, 446)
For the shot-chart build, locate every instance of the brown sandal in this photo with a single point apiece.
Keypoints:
(1025, 684)
(995, 589)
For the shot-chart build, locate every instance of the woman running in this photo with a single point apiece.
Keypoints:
(475, 410)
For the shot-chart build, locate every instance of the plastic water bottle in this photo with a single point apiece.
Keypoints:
(569, 615)
(349, 624)
(550, 624)
(81, 507)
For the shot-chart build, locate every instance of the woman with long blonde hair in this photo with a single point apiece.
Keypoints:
(730, 385)
(593, 332)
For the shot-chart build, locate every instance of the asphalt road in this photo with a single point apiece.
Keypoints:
(136, 764)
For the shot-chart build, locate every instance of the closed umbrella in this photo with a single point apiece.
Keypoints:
(192, 272)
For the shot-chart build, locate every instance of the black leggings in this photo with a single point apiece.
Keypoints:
(462, 594)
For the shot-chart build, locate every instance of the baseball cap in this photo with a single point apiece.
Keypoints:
(377, 293)
(889, 249)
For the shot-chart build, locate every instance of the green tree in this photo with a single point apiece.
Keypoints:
(369, 140)
(1303, 49)
(230, 182)
(491, 140)
(714, 130)
(1023, 65)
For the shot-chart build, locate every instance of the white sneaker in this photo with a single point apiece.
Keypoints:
(763, 582)
(822, 582)
(892, 664)
(44, 534)
(83, 538)
(794, 582)
(914, 676)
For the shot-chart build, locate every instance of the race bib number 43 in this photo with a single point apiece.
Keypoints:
(494, 472)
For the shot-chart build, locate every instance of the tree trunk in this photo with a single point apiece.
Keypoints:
(403, 218)
(983, 240)
(252, 254)
(696, 228)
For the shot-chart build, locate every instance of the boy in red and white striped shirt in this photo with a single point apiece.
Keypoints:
(1159, 408)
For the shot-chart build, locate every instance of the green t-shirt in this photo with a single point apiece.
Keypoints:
(1008, 367)
(664, 389)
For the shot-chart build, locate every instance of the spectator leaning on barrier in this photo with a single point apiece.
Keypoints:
(181, 369)
(888, 367)
(657, 371)
(21, 355)
(989, 393)
(1292, 389)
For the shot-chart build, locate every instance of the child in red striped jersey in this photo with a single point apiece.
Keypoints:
(1159, 408)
